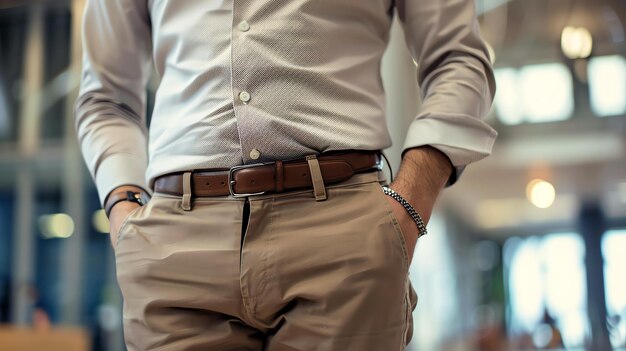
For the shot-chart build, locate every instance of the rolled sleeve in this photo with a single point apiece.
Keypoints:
(456, 80)
(110, 112)
(120, 169)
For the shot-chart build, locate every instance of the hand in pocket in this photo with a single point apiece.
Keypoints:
(119, 213)
(408, 227)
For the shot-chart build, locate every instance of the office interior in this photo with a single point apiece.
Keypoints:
(526, 252)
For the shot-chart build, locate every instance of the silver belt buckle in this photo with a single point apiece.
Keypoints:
(231, 181)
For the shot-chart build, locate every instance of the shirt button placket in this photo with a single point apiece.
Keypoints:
(244, 96)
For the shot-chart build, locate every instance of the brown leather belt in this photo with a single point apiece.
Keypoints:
(275, 176)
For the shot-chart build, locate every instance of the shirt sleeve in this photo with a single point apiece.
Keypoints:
(456, 80)
(110, 111)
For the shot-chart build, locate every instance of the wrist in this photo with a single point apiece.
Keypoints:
(423, 202)
(125, 193)
(423, 173)
(415, 214)
(122, 189)
(439, 163)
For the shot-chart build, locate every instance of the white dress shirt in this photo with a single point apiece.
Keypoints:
(247, 81)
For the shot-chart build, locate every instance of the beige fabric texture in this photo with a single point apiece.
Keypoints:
(308, 275)
(310, 71)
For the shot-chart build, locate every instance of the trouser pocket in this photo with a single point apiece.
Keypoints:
(411, 298)
(381, 199)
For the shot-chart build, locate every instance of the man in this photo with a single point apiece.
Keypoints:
(300, 249)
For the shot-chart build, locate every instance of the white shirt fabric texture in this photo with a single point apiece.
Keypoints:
(248, 81)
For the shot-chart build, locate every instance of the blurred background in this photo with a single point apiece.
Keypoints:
(525, 252)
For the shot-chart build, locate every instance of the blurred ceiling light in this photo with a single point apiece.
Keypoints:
(100, 221)
(576, 42)
(58, 225)
(607, 85)
(540, 193)
(546, 92)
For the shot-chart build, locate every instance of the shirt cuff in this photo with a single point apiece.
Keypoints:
(120, 169)
(463, 139)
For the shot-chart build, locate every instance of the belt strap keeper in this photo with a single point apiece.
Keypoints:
(186, 205)
(319, 190)
(280, 176)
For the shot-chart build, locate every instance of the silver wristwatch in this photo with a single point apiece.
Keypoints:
(416, 217)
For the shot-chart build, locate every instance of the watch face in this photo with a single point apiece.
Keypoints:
(143, 197)
(135, 197)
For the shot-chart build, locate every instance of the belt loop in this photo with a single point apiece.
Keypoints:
(280, 176)
(319, 190)
(186, 191)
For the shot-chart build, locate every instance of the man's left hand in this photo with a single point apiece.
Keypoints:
(423, 172)
(407, 224)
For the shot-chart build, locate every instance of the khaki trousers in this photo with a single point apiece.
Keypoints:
(278, 271)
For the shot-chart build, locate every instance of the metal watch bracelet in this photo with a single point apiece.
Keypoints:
(416, 217)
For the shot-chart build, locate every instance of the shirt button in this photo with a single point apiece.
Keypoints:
(244, 96)
(244, 26)
(254, 154)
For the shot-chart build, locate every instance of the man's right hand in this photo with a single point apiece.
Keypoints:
(119, 212)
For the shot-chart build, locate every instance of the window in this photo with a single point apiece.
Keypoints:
(607, 85)
(614, 254)
(535, 93)
(547, 274)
